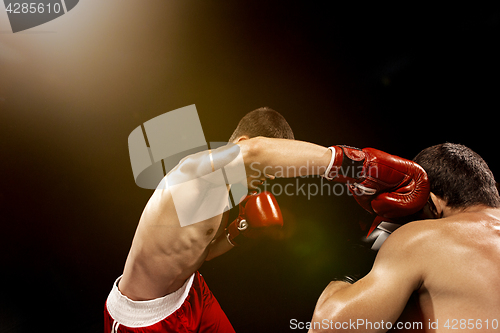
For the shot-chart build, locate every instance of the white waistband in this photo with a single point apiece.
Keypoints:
(145, 313)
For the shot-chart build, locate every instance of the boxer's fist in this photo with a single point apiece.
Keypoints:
(384, 184)
(258, 214)
(362, 252)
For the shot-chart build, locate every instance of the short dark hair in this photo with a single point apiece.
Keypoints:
(263, 122)
(459, 175)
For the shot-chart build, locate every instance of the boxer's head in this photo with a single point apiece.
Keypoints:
(262, 122)
(459, 177)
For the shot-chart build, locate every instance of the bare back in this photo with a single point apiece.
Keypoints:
(461, 284)
(164, 254)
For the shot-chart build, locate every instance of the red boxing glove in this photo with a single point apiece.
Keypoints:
(258, 213)
(384, 184)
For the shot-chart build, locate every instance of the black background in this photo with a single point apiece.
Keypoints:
(395, 78)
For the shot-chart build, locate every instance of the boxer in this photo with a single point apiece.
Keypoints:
(160, 289)
(450, 261)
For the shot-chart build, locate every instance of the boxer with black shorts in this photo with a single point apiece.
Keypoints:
(449, 262)
(160, 289)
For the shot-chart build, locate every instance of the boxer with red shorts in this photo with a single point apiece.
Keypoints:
(192, 308)
(160, 289)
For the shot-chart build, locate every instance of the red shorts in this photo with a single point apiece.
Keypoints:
(192, 308)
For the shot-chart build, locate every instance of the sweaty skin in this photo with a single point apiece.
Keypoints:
(452, 263)
(164, 255)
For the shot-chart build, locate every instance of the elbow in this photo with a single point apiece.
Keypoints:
(251, 149)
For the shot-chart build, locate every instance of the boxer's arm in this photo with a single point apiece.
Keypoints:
(284, 158)
(219, 246)
(261, 156)
(383, 293)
